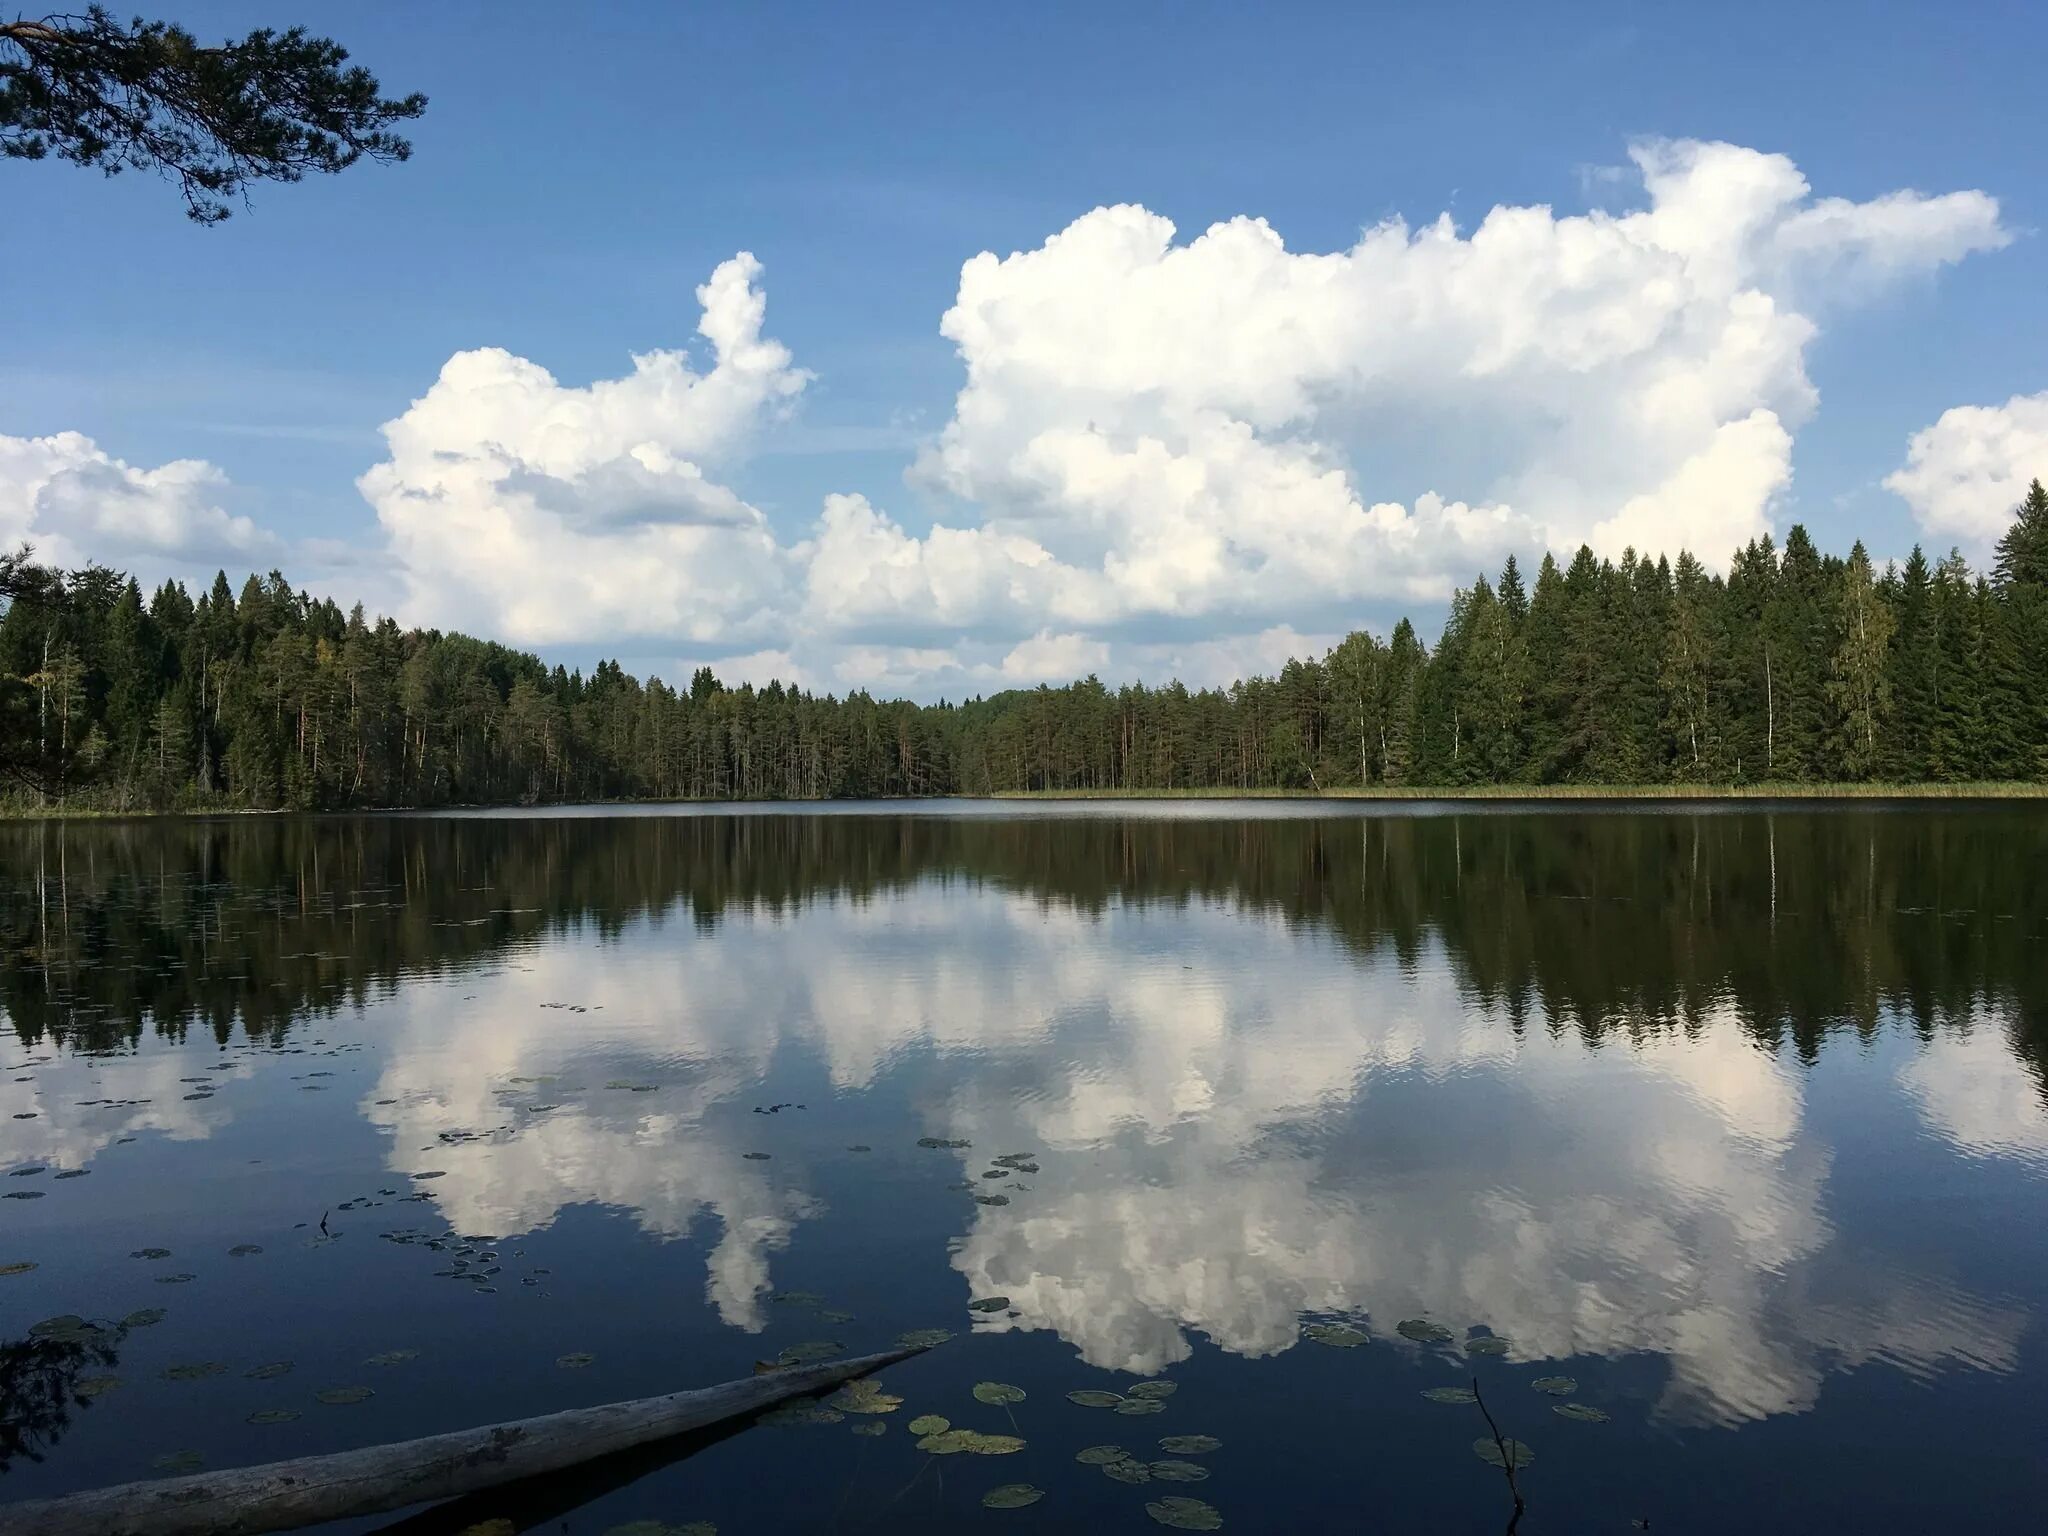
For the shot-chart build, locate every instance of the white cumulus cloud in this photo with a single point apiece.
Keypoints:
(76, 503)
(545, 512)
(1964, 475)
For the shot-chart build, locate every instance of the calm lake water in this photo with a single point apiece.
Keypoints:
(1736, 1120)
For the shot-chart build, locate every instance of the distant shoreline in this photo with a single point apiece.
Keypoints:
(1496, 794)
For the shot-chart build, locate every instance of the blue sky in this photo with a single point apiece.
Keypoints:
(577, 176)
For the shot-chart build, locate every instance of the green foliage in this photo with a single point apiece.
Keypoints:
(1793, 669)
(146, 96)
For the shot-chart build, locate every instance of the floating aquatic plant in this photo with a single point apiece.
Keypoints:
(1179, 1471)
(1451, 1395)
(1102, 1455)
(929, 1424)
(1423, 1331)
(1191, 1445)
(1517, 1454)
(1094, 1397)
(1585, 1413)
(1011, 1496)
(997, 1393)
(1336, 1335)
(1186, 1514)
(1556, 1386)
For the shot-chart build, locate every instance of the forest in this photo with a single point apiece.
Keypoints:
(1793, 667)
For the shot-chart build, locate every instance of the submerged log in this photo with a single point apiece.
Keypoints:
(284, 1495)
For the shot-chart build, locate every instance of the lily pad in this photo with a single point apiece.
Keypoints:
(1136, 1407)
(1556, 1386)
(175, 1279)
(1186, 1514)
(90, 1387)
(1011, 1496)
(1487, 1344)
(1488, 1450)
(757, 1157)
(929, 1424)
(74, 1173)
(244, 1250)
(150, 1253)
(197, 1371)
(810, 1352)
(1336, 1335)
(1179, 1472)
(795, 1298)
(393, 1357)
(834, 1315)
(947, 1442)
(341, 1396)
(871, 1427)
(997, 1393)
(940, 1141)
(178, 1461)
(1191, 1445)
(269, 1372)
(864, 1396)
(1131, 1471)
(991, 1199)
(1094, 1397)
(1423, 1331)
(1101, 1455)
(1451, 1395)
(989, 1304)
(272, 1416)
(148, 1317)
(993, 1445)
(21, 1268)
(1585, 1413)
(923, 1338)
(576, 1361)
(1158, 1389)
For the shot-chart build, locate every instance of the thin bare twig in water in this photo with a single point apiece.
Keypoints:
(1507, 1459)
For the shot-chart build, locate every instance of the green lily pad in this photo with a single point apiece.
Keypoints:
(148, 1317)
(340, 1396)
(1101, 1455)
(991, 1199)
(1488, 1344)
(150, 1253)
(1093, 1397)
(1556, 1386)
(940, 1141)
(269, 1372)
(1136, 1407)
(795, 1298)
(576, 1361)
(757, 1157)
(1489, 1451)
(1423, 1331)
(393, 1357)
(810, 1352)
(178, 1461)
(1179, 1472)
(947, 1442)
(993, 1445)
(1191, 1445)
(1011, 1496)
(195, 1372)
(997, 1393)
(90, 1387)
(1131, 1471)
(929, 1424)
(1186, 1514)
(834, 1315)
(1336, 1335)
(272, 1416)
(68, 1327)
(864, 1396)
(1585, 1413)
(21, 1268)
(989, 1304)
(871, 1427)
(1451, 1395)
(244, 1250)
(923, 1338)
(1156, 1389)
(175, 1279)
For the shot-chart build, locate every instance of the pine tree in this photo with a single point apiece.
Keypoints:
(2023, 551)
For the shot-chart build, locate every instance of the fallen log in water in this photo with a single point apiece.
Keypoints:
(284, 1495)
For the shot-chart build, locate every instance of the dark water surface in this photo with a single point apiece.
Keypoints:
(1735, 1119)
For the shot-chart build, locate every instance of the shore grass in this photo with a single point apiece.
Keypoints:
(1995, 790)
(1505, 793)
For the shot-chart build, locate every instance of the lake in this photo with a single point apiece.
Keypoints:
(1712, 1143)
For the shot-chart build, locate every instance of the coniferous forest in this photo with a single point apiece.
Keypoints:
(1794, 667)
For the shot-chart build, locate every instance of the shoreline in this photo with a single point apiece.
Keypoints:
(1491, 794)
